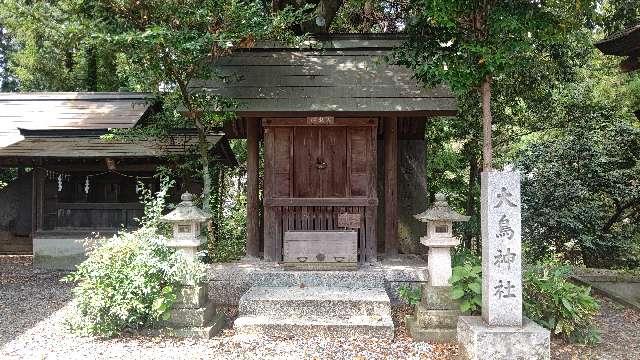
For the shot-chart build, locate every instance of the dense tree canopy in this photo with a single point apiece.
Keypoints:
(561, 112)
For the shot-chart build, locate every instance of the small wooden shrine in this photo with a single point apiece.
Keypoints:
(339, 126)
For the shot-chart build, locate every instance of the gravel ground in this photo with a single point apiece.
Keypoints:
(33, 306)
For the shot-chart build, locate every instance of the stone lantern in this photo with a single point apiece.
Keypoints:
(436, 316)
(186, 220)
(192, 314)
(439, 219)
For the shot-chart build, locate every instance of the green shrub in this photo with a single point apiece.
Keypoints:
(231, 237)
(549, 298)
(129, 281)
(466, 280)
(410, 294)
(466, 287)
(559, 305)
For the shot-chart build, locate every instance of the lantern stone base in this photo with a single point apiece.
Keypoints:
(436, 316)
(434, 335)
(192, 315)
(478, 341)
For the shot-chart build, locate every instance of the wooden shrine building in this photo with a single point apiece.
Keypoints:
(342, 133)
(71, 182)
(626, 44)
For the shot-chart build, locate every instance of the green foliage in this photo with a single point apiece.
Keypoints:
(155, 204)
(549, 298)
(555, 303)
(620, 14)
(466, 281)
(410, 294)
(231, 235)
(129, 281)
(460, 42)
(581, 185)
(52, 48)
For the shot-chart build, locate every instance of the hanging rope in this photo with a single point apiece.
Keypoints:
(60, 177)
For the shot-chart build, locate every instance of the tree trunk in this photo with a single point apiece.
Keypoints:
(471, 200)
(486, 123)
(203, 145)
(92, 69)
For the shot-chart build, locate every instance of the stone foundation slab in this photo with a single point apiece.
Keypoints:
(478, 341)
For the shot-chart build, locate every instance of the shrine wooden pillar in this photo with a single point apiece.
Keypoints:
(391, 186)
(253, 222)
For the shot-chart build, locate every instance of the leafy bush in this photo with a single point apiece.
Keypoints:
(231, 237)
(411, 295)
(466, 280)
(129, 281)
(466, 286)
(581, 189)
(549, 298)
(559, 305)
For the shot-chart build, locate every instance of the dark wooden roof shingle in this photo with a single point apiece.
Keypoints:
(95, 147)
(54, 111)
(345, 80)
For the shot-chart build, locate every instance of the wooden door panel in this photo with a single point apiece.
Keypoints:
(282, 162)
(334, 155)
(360, 160)
(306, 156)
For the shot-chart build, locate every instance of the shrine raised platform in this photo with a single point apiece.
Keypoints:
(229, 281)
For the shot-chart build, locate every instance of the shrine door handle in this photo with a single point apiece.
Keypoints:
(320, 164)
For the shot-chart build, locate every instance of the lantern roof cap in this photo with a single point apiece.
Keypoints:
(186, 211)
(440, 211)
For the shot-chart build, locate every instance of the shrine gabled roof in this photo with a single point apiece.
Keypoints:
(624, 43)
(339, 74)
(43, 144)
(68, 111)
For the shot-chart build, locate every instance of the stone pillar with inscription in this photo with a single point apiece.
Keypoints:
(502, 332)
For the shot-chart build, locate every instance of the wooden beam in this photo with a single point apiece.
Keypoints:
(253, 223)
(391, 186)
(352, 201)
(40, 202)
(270, 218)
(34, 202)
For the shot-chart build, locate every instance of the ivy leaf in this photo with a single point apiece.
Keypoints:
(457, 293)
(475, 287)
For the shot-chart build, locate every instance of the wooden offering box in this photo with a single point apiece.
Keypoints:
(320, 250)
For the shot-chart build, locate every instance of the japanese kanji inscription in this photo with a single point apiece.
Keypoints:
(501, 249)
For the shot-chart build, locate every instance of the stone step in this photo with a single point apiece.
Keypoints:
(318, 301)
(350, 279)
(353, 327)
(190, 317)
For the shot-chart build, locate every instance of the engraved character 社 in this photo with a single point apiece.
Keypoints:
(504, 290)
